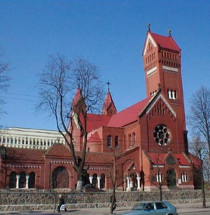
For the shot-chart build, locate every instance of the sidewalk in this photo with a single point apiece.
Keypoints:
(181, 209)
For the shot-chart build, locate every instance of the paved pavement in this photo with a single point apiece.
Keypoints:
(195, 208)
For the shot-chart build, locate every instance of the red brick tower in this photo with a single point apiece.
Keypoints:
(162, 66)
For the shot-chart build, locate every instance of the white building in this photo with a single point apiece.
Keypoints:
(29, 138)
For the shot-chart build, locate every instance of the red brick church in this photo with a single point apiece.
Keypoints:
(150, 138)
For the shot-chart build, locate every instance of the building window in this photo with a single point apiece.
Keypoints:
(159, 178)
(31, 181)
(116, 141)
(161, 135)
(129, 140)
(102, 181)
(133, 139)
(109, 141)
(184, 177)
(12, 180)
(172, 94)
(94, 181)
(22, 181)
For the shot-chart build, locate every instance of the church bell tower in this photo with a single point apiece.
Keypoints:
(162, 67)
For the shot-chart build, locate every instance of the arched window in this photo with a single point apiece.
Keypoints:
(109, 141)
(184, 177)
(129, 140)
(133, 139)
(22, 180)
(60, 178)
(12, 180)
(31, 180)
(94, 182)
(102, 181)
(116, 142)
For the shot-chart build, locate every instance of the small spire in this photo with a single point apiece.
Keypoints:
(108, 83)
(169, 32)
(148, 26)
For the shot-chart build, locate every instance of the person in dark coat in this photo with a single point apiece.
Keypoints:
(61, 202)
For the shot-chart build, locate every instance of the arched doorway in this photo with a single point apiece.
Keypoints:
(60, 178)
(102, 181)
(94, 181)
(22, 180)
(133, 181)
(171, 178)
(12, 180)
(31, 180)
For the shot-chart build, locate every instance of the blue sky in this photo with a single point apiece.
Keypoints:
(109, 33)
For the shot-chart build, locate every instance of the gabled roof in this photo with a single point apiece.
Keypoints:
(94, 138)
(109, 106)
(95, 121)
(159, 158)
(153, 101)
(128, 115)
(165, 42)
(195, 160)
(162, 41)
(58, 150)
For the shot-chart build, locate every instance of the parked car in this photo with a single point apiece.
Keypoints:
(157, 208)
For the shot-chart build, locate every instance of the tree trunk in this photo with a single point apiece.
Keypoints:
(203, 192)
(79, 185)
(161, 193)
(203, 186)
(113, 202)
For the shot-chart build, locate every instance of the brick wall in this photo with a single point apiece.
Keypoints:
(44, 200)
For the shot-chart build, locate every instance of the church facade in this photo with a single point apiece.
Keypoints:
(147, 140)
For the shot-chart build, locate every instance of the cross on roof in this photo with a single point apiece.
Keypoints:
(108, 83)
(148, 26)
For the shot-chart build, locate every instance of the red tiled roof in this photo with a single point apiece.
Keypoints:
(195, 160)
(95, 121)
(159, 158)
(128, 115)
(165, 42)
(182, 159)
(24, 154)
(94, 138)
(58, 150)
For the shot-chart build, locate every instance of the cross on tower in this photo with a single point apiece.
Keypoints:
(108, 83)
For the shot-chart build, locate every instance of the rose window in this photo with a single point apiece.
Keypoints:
(161, 135)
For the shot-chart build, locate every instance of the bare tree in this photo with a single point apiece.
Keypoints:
(199, 117)
(158, 180)
(4, 80)
(199, 149)
(58, 83)
(115, 176)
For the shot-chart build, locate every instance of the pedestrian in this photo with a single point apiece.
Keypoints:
(61, 206)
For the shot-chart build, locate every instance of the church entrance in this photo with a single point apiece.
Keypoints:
(60, 178)
(171, 178)
(133, 181)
